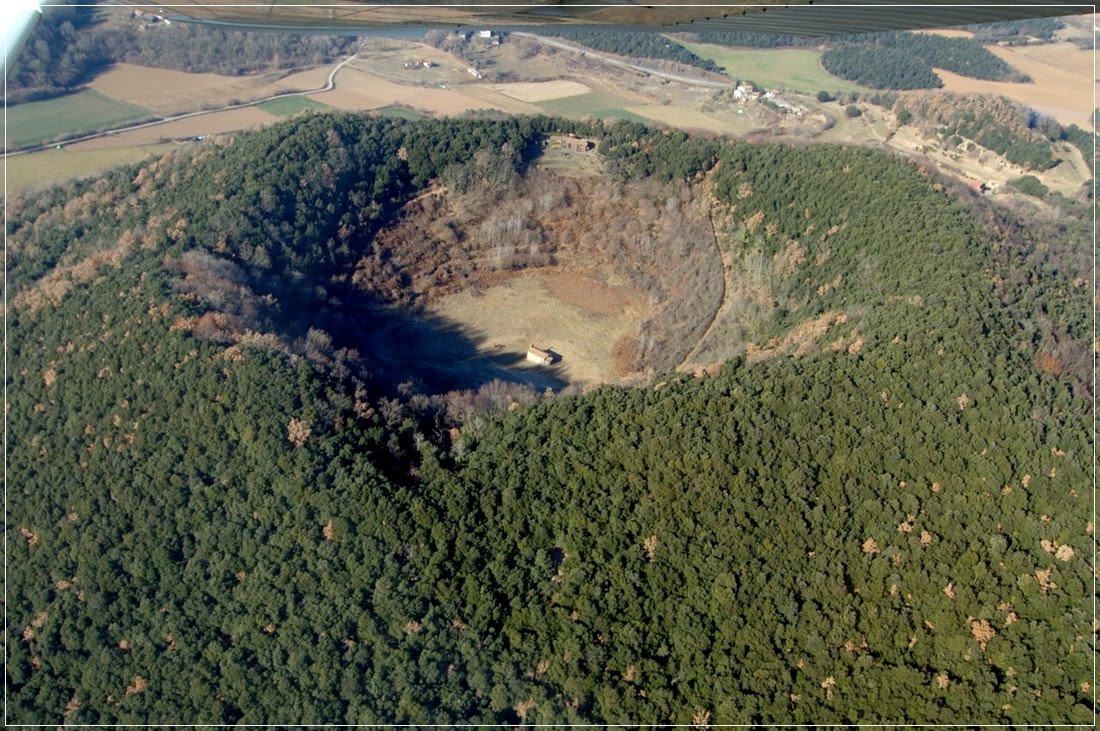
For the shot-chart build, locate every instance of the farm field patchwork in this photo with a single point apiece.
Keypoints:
(360, 90)
(71, 115)
(797, 69)
(1061, 81)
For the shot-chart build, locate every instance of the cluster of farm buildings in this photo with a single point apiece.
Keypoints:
(746, 91)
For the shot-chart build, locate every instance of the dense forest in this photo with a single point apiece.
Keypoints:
(959, 55)
(906, 60)
(73, 44)
(638, 45)
(224, 509)
(879, 67)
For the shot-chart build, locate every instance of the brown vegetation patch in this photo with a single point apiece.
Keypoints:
(982, 631)
(297, 431)
(138, 685)
(789, 258)
(52, 288)
(589, 294)
(799, 340)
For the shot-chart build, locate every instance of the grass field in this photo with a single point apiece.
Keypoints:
(399, 113)
(71, 115)
(291, 105)
(595, 104)
(26, 172)
(790, 68)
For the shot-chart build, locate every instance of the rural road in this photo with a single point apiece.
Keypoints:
(329, 86)
(622, 64)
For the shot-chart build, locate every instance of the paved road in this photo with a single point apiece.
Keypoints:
(623, 64)
(329, 86)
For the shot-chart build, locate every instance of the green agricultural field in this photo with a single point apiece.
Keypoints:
(54, 166)
(67, 116)
(399, 113)
(289, 105)
(594, 104)
(797, 69)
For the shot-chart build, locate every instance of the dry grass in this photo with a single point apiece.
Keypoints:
(690, 119)
(359, 90)
(985, 165)
(576, 316)
(27, 172)
(205, 124)
(167, 92)
(540, 91)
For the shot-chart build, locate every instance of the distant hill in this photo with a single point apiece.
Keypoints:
(71, 45)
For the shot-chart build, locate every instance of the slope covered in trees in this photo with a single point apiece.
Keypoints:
(890, 527)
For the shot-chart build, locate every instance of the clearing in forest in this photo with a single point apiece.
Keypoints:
(575, 315)
(797, 69)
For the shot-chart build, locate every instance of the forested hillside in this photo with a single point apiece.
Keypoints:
(223, 509)
(73, 44)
